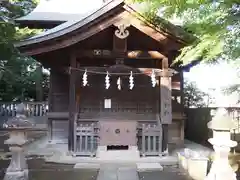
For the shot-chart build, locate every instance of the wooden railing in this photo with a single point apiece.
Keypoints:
(32, 108)
(149, 140)
(86, 139)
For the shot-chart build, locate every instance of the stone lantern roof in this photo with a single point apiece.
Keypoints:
(222, 121)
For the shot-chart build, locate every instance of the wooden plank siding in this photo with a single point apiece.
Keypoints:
(126, 104)
(59, 91)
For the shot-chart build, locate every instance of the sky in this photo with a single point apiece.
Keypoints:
(213, 79)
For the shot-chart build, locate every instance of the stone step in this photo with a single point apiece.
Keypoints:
(118, 154)
(87, 166)
(127, 173)
(107, 173)
(117, 172)
(141, 167)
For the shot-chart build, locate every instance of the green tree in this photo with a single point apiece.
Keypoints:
(17, 73)
(216, 24)
(193, 96)
(233, 89)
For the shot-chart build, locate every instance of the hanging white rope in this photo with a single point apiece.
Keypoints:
(157, 71)
(107, 81)
(119, 83)
(85, 78)
(131, 81)
(153, 79)
(154, 73)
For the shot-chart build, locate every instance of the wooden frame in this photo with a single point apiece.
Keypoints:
(103, 53)
(109, 16)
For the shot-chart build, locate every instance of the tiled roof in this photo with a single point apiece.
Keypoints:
(61, 10)
(73, 24)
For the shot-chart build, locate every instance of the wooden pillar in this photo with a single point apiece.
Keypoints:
(166, 102)
(72, 102)
(182, 87)
(50, 92)
(39, 88)
(50, 130)
(50, 105)
(165, 138)
(182, 131)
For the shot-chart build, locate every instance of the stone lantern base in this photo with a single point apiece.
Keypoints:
(19, 175)
(221, 169)
(17, 169)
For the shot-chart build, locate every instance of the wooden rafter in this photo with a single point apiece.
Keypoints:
(93, 28)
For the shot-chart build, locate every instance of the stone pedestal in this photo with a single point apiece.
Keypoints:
(18, 127)
(18, 166)
(222, 144)
(221, 169)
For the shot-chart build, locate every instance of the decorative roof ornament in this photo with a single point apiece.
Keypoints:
(107, 81)
(119, 83)
(122, 31)
(131, 81)
(153, 78)
(85, 78)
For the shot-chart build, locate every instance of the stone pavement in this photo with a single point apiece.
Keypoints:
(129, 172)
(169, 173)
(118, 172)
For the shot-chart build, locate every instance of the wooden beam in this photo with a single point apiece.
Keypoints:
(145, 71)
(72, 103)
(101, 53)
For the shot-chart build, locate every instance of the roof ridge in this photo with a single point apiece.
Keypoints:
(72, 24)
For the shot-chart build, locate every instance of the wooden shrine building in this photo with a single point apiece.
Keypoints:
(111, 83)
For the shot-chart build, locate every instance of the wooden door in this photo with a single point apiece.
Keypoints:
(121, 132)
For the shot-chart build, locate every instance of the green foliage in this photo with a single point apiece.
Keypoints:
(17, 73)
(233, 89)
(216, 24)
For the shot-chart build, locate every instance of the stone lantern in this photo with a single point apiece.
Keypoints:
(221, 125)
(17, 128)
